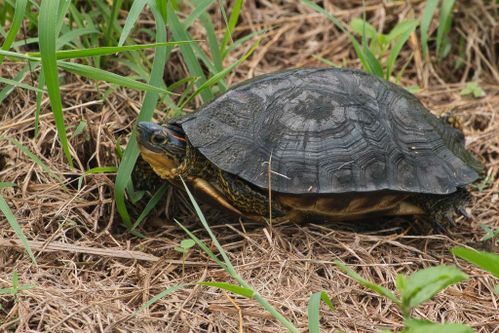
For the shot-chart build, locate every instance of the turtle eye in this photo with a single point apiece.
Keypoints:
(159, 139)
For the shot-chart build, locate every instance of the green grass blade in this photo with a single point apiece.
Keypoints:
(429, 10)
(15, 25)
(229, 268)
(19, 56)
(150, 100)
(99, 74)
(7, 184)
(72, 35)
(402, 35)
(244, 39)
(199, 8)
(39, 96)
(366, 283)
(205, 224)
(366, 58)
(313, 310)
(444, 24)
(238, 290)
(47, 36)
(212, 41)
(202, 245)
(101, 169)
(61, 13)
(99, 51)
(15, 83)
(234, 16)
(9, 88)
(34, 158)
(108, 37)
(150, 205)
(11, 219)
(132, 17)
(159, 296)
(220, 75)
(485, 260)
(180, 33)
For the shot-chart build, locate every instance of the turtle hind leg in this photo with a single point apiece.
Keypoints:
(247, 199)
(442, 209)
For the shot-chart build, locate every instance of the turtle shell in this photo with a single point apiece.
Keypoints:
(330, 130)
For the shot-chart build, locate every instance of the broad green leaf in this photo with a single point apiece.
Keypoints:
(313, 310)
(47, 35)
(425, 326)
(366, 283)
(424, 284)
(156, 298)
(485, 260)
(429, 10)
(401, 29)
(359, 26)
(245, 292)
(187, 243)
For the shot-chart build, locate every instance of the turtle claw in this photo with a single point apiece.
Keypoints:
(461, 210)
(450, 219)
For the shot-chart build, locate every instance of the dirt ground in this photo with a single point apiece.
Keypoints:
(92, 275)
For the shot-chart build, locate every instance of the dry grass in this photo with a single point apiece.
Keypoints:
(91, 275)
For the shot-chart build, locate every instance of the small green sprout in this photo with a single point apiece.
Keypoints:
(415, 289)
(184, 248)
(489, 233)
(16, 288)
(472, 88)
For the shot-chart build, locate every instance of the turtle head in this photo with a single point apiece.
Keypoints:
(163, 147)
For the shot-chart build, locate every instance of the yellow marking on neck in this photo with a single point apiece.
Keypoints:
(165, 168)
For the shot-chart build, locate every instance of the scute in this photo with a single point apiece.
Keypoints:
(330, 131)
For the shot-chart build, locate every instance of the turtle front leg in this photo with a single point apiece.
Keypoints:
(247, 199)
(441, 209)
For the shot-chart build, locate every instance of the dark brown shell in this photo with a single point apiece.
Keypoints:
(330, 131)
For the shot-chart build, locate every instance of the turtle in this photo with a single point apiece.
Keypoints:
(333, 143)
